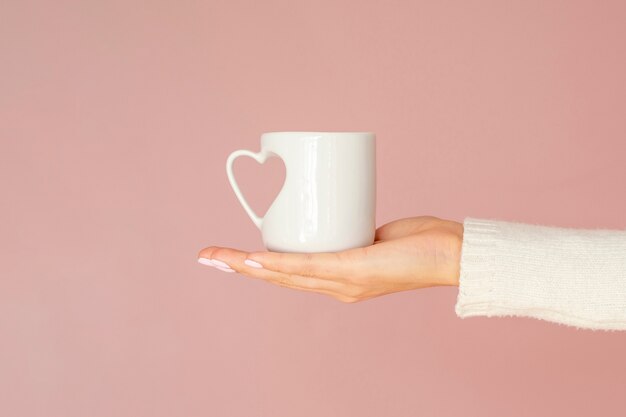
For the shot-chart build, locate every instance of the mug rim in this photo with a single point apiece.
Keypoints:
(305, 132)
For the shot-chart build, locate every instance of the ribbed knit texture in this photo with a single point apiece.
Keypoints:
(575, 277)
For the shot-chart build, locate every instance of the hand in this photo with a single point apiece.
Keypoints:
(407, 254)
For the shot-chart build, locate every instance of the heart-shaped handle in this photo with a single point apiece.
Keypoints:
(260, 157)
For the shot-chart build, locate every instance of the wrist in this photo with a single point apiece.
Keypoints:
(452, 270)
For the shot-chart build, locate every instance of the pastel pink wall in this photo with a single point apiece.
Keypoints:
(116, 118)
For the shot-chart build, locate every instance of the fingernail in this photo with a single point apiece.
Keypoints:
(219, 263)
(225, 269)
(205, 261)
(253, 264)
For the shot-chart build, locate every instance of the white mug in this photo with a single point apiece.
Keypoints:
(328, 200)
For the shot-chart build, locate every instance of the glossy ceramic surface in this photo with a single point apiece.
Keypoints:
(328, 200)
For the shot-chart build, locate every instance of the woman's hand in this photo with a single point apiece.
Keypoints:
(407, 254)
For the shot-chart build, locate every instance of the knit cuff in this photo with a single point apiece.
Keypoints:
(569, 276)
(478, 267)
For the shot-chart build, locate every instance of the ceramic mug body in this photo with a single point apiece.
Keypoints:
(328, 200)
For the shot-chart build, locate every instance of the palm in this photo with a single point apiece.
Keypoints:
(407, 254)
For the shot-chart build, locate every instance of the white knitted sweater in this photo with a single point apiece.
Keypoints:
(575, 277)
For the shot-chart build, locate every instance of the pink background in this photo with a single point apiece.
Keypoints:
(116, 118)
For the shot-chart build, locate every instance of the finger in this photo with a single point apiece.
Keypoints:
(207, 253)
(334, 266)
(235, 260)
(224, 259)
(298, 282)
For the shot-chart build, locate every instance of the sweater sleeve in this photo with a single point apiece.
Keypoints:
(575, 277)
